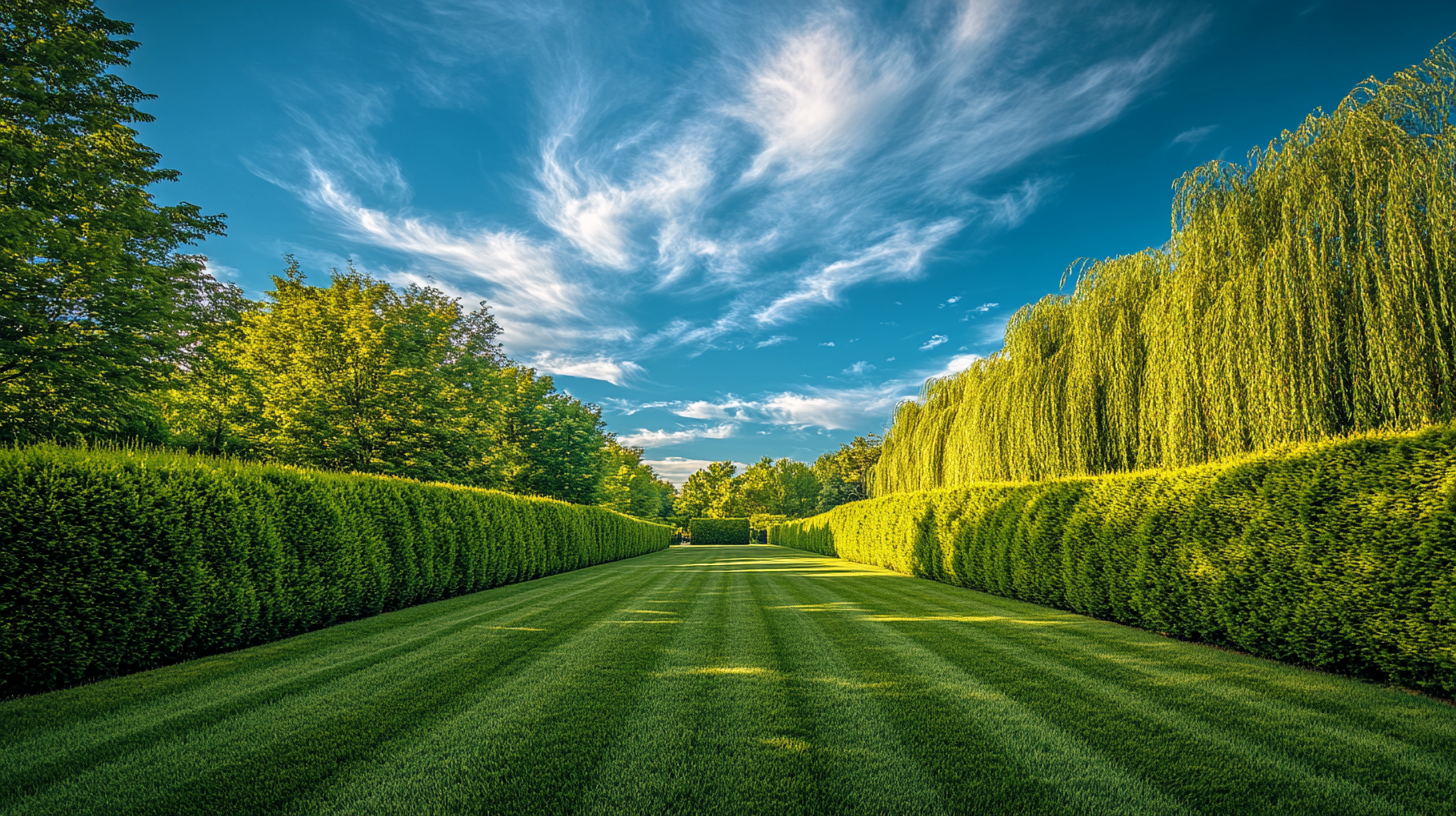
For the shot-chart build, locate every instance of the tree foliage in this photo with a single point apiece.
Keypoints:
(1305, 294)
(844, 473)
(97, 301)
(629, 486)
(360, 376)
(783, 487)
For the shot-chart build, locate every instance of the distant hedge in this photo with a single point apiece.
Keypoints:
(1340, 555)
(116, 561)
(718, 531)
(759, 524)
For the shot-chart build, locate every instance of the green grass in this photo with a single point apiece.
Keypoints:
(728, 680)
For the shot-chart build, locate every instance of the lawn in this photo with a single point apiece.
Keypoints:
(728, 680)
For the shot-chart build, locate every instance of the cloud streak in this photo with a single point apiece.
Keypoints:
(648, 439)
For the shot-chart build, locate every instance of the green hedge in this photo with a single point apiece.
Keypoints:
(1340, 555)
(718, 531)
(116, 561)
(760, 523)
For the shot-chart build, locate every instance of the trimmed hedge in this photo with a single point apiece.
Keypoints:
(718, 531)
(760, 523)
(117, 561)
(1340, 555)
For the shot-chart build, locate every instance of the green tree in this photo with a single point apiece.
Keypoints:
(759, 490)
(784, 487)
(711, 493)
(356, 376)
(799, 488)
(97, 302)
(562, 452)
(631, 487)
(352, 376)
(844, 473)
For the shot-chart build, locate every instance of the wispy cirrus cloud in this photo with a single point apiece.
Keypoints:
(606, 369)
(899, 256)
(1193, 136)
(649, 439)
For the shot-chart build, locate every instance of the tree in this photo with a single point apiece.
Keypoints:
(844, 473)
(799, 488)
(561, 456)
(629, 486)
(785, 488)
(711, 493)
(759, 490)
(97, 302)
(358, 376)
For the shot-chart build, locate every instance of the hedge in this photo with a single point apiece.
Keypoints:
(117, 561)
(718, 531)
(1340, 556)
(760, 523)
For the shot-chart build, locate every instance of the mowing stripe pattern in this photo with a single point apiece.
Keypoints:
(731, 680)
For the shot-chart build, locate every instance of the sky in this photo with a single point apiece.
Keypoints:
(742, 229)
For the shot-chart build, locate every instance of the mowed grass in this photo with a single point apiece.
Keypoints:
(728, 680)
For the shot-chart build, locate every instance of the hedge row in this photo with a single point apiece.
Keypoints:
(116, 561)
(718, 531)
(760, 523)
(1340, 555)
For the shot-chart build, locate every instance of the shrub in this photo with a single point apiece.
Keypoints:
(1340, 555)
(718, 531)
(116, 561)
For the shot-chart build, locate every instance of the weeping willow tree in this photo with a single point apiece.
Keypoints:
(1303, 294)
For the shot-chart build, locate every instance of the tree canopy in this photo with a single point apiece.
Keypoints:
(100, 303)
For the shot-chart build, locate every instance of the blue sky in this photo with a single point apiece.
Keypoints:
(743, 229)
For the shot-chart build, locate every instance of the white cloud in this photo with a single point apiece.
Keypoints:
(729, 410)
(898, 257)
(995, 332)
(986, 307)
(819, 99)
(862, 144)
(1193, 136)
(648, 439)
(953, 299)
(956, 364)
(220, 271)
(594, 368)
(934, 341)
(520, 276)
(837, 409)
(829, 343)
(860, 368)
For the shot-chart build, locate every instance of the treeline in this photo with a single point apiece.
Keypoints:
(121, 560)
(784, 487)
(359, 376)
(1338, 554)
(1306, 294)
